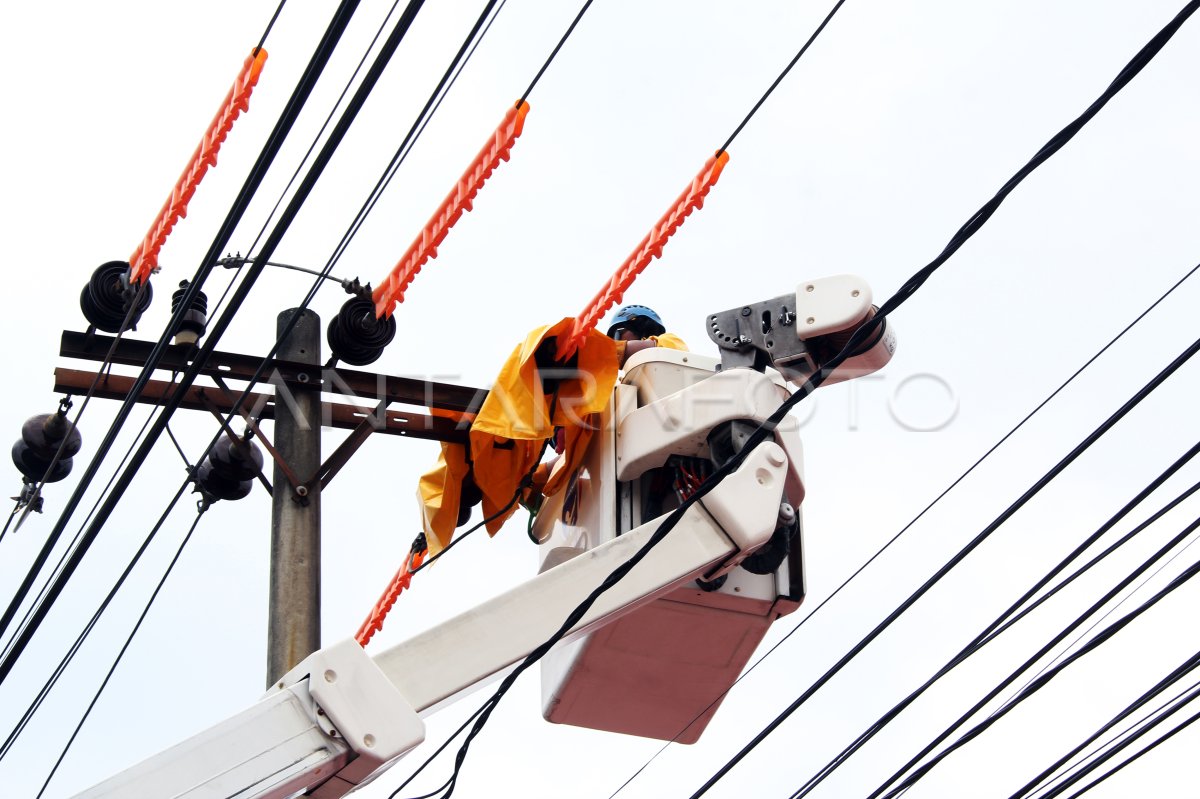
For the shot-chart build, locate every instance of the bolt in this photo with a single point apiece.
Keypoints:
(810, 287)
(746, 311)
(302, 377)
(302, 491)
(810, 320)
(854, 293)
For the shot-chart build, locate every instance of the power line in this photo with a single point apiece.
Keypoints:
(1068, 779)
(973, 225)
(796, 627)
(203, 506)
(1178, 728)
(271, 24)
(222, 323)
(432, 104)
(570, 28)
(1007, 618)
(782, 75)
(1032, 491)
(65, 661)
(402, 25)
(283, 125)
(1096, 641)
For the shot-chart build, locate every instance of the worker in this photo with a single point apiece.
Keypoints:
(636, 327)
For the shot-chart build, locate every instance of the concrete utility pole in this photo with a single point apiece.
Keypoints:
(294, 605)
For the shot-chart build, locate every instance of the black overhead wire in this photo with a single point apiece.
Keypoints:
(287, 117)
(69, 656)
(153, 532)
(1084, 568)
(82, 527)
(313, 146)
(860, 336)
(1178, 728)
(271, 24)
(976, 221)
(1032, 491)
(1108, 750)
(73, 424)
(796, 627)
(203, 506)
(1094, 643)
(570, 28)
(782, 75)
(432, 104)
(215, 332)
(1016, 611)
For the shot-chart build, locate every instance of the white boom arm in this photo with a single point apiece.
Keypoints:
(341, 718)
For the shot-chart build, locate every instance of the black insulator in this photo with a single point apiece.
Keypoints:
(33, 468)
(230, 468)
(195, 319)
(356, 336)
(41, 437)
(106, 298)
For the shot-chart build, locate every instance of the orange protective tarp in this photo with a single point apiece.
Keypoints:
(144, 260)
(424, 247)
(511, 426)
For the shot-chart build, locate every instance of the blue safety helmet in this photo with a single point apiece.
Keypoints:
(638, 318)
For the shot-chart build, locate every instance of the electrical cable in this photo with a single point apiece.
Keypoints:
(1144, 750)
(263, 261)
(782, 75)
(316, 140)
(215, 332)
(58, 566)
(287, 117)
(570, 28)
(973, 224)
(796, 627)
(1033, 490)
(263, 40)
(856, 340)
(920, 771)
(73, 424)
(1098, 757)
(1133, 591)
(1165, 709)
(16, 509)
(267, 360)
(1010, 615)
(204, 505)
(497, 515)
(432, 104)
(65, 661)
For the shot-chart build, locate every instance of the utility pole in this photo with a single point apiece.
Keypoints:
(298, 409)
(294, 602)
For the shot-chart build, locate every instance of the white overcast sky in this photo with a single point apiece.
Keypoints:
(900, 122)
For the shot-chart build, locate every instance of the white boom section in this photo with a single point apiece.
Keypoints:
(339, 719)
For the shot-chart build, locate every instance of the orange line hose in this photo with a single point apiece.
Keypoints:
(391, 291)
(144, 260)
(650, 247)
(374, 620)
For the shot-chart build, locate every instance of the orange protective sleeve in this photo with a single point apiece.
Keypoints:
(650, 247)
(391, 291)
(144, 260)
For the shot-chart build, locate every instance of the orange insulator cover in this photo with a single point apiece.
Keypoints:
(391, 291)
(374, 620)
(144, 260)
(651, 247)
